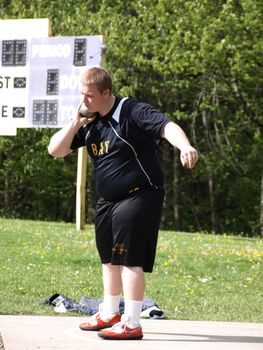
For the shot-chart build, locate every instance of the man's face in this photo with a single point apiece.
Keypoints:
(92, 98)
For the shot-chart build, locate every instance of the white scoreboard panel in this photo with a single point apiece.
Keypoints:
(14, 77)
(39, 78)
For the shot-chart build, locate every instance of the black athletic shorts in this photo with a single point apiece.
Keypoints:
(127, 229)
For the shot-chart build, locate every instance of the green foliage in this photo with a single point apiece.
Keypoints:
(36, 185)
(200, 62)
(196, 276)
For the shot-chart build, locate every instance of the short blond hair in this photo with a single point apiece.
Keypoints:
(99, 77)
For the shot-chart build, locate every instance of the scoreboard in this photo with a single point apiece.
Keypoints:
(40, 78)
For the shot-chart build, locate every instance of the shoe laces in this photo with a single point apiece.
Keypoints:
(119, 327)
(94, 316)
(93, 319)
(122, 325)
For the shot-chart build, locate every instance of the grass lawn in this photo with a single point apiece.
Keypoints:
(196, 276)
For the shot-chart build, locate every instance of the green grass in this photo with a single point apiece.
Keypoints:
(196, 276)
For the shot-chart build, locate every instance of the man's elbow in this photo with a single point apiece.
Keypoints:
(54, 152)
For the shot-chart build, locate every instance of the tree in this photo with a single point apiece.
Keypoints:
(200, 62)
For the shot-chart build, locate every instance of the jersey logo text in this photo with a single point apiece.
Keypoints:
(102, 148)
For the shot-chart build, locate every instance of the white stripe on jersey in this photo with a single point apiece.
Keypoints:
(135, 154)
(116, 114)
(88, 133)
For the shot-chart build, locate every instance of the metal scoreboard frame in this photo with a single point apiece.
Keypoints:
(40, 78)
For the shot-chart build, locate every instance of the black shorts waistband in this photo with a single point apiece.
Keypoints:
(135, 190)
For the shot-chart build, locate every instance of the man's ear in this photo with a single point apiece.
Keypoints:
(106, 92)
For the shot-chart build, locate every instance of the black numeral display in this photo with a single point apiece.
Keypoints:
(80, 45)
(45, 112)
(52, 81)
(14, 52)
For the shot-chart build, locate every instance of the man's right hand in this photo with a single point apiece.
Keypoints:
(83, 116)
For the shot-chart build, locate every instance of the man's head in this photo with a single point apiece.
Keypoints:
(99, 77)
(96, 90)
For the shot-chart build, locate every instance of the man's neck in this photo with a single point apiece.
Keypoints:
(108, 105)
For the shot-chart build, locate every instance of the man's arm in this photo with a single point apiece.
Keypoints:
(60, 142)
(177, 137)
(59, 145)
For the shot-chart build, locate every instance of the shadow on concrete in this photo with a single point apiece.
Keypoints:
(206, 338)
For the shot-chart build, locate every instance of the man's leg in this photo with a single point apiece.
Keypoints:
(112, 284)
(133, 289)
(109, 311)
(133, 282)
(112, 280)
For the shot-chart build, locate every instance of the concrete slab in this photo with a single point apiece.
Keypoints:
(60, 332)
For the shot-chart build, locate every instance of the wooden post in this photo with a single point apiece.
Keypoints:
(82, 173)
(81, 188)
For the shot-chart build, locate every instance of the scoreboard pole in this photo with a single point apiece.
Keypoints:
(82, 176)
(81, 189)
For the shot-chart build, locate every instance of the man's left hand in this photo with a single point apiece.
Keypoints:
(188, 156)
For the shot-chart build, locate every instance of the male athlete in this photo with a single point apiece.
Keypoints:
(121, 137)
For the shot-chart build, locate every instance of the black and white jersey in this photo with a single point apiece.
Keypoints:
(123, 145)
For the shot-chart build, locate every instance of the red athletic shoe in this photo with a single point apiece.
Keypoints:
(121, 331)
(95, 323)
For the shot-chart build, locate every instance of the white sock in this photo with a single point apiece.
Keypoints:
(132, 311)
(111, 304)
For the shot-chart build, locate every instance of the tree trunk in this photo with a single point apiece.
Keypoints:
(7, 189)
(176, 191)
(212, 203)
(167, 158)
(7, 193)
(261, 207)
